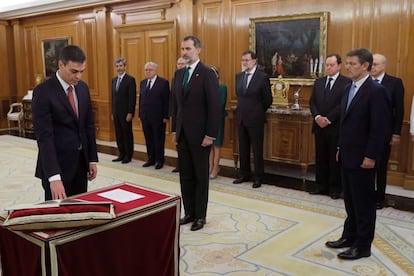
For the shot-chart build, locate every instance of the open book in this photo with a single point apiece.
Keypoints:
(56, 203)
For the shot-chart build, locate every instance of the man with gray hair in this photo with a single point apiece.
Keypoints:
(395, 90)
(153, 113)
(124, 97)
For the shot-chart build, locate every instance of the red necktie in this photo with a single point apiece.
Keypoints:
(72, 99)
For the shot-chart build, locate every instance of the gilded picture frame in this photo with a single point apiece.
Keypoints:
(50, 54)
(291, 46)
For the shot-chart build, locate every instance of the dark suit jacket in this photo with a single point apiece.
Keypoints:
(252, 106)
(362, 132)
(396, 89)
(124, 100)
(197, 112)
(154, 104)
(59, 132)
(329, 107)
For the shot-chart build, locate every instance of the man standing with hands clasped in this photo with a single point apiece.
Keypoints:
(124, 96)
(325, 106)
(395, 90)
(153, 113)
(361, 141)
(254, 97)
(196, 114)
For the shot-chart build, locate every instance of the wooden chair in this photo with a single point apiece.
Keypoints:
(16, 114)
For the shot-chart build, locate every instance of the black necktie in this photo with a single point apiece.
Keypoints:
(245, 79)
(328, 87)
(148, 86)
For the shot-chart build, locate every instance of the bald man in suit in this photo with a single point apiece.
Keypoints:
(64, 128)
(395, 90)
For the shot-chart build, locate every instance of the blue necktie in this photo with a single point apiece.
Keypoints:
(245, 78)
(351, 95)
(118, 82)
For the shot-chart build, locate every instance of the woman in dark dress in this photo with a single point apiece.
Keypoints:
(218, 143)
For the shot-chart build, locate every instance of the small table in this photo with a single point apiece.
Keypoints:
(141, 240)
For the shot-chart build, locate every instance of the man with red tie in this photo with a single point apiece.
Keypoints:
(65, 129)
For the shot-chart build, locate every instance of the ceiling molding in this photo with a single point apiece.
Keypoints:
(42, 7)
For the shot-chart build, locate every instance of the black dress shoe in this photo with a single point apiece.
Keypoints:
(354, 253)
(117, 159)
(341, 243)
(175, 170)
(335, 195)
(198, 224)
(379, 205)
(241, 180)
(318, 192)
(159, 166)
(186, 219)
(257, 184)
(126, 160)
(148, 163)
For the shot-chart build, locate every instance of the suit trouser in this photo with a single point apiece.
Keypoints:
(382, 174)
(154, 133)
(124, 136)
(359, 198)
(194, 176)
(75, 183)
(328, 175)
(251, 136)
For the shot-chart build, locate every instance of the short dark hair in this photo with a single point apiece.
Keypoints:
(251, 53)
(364, 55)
(338, 58)
(72, 53)
(196, 40)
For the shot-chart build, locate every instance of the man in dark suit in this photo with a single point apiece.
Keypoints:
(254, 97)
(124, 97)
(325, 106)
(361, 142)
(395, 89)
(180, 64)
(64, 128)
(195, 120)
(153, 113)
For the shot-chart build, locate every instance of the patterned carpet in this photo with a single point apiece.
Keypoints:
(266, 231)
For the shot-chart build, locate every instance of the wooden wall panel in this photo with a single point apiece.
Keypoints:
(135, 29)
(131, 45)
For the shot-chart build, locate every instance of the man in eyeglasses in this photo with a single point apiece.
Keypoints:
(254, 97)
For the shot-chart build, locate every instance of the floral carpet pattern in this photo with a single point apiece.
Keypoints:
(266, 231)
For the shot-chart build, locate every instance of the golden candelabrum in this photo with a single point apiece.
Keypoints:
(38, 79)
(316, 75)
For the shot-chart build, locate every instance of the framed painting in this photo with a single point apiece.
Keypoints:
(50, 53)
(291, 46)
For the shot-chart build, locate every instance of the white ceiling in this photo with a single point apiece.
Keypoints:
(18, 8)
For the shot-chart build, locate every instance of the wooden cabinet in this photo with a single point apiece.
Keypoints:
(287, 139)
(27, 117)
